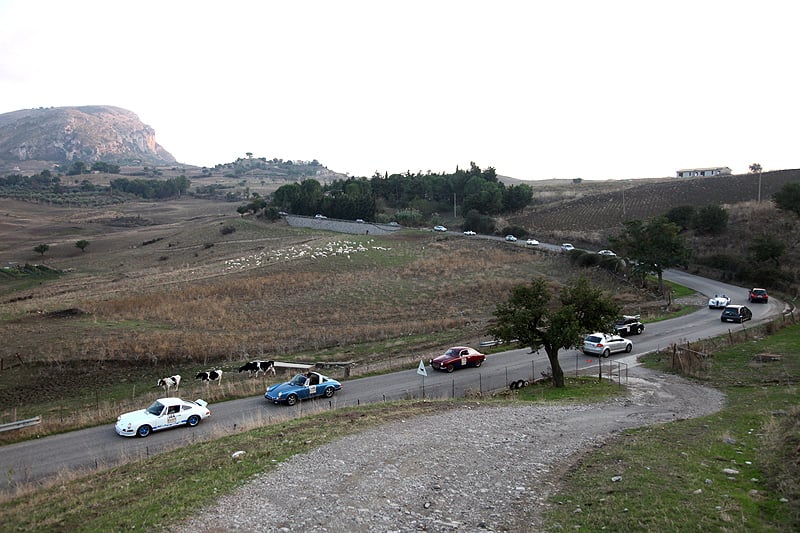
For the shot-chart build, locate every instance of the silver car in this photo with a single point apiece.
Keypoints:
(604, 344)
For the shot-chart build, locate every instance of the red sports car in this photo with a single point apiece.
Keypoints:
(458, 357)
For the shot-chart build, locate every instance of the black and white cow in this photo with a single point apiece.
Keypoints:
(210, 375)
(170, 382)
(256, 367)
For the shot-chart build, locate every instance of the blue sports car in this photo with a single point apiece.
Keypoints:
(302, 387)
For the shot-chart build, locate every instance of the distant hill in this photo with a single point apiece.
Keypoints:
(603, 207)
(62, 135)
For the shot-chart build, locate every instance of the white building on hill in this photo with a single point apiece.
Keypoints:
(710, 171)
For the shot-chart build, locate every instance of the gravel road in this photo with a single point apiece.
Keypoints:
(481, 469)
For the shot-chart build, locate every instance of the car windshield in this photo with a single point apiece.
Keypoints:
(299, 380)
(453, 352)
(155, 408)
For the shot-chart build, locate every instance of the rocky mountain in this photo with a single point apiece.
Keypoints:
(61, 135)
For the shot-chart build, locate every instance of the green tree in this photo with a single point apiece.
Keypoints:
(77, 168)
(517, 197)
(710, 220)
(532, 317)
(652, 246)
(788, 198)
(41, 249)
(682, 215)
(82, 244)
(767, 248)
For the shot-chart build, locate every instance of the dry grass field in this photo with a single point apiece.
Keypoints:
(187, 285)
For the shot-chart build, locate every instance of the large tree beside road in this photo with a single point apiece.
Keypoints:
(652, 246)
(535, 319)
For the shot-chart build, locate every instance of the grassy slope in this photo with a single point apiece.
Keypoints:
(671, 477)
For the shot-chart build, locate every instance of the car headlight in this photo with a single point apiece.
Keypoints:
(280, 394)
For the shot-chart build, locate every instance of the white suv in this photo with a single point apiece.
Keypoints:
(604, 344)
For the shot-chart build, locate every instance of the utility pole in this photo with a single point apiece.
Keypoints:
(454, 205)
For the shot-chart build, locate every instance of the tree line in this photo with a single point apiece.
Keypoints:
(412, 199)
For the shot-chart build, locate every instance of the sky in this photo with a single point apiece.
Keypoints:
(536, 89)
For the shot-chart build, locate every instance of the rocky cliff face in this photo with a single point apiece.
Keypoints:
(88, 134)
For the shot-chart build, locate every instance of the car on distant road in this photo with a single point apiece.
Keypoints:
(719, 302)
(532, 242)
(736, 313)
(608, 253)
(439, 228)
(360, 220)
(162, 414)
(567, 247)
(604, 344)
(469, 232)
(302, 387)
(511, 238)
(319, 216)
(458, 357)
(629, 325)
(758, 295)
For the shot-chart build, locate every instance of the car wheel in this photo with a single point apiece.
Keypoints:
(628, 348)
(478, 363)
(143, 431)
(291, 399)
(639, 330)
(606, 352)
(193, 421)
(450, 368)
(329, 392)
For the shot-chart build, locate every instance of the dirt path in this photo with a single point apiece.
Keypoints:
(487, 469)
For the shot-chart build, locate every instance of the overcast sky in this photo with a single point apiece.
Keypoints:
(536, 89)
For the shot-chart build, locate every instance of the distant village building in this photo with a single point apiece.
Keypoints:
(710, 171)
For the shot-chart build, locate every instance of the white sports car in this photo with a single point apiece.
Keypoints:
(719, 302)
(162, 414)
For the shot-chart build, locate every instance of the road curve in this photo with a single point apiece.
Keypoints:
(44, 458)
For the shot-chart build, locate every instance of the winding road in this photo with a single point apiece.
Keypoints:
(42, 459)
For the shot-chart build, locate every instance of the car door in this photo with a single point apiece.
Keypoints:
(463, 360)
(616, 343)
(171, 416)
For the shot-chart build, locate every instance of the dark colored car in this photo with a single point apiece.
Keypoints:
(736, 313)
(458, 357)
(758, 296)
(629, 325)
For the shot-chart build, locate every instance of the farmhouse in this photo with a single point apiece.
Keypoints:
(710, 171)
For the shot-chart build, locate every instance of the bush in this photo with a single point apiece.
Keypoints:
(517, 231)
(227, 229)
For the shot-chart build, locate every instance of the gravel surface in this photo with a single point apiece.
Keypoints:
(478, 469)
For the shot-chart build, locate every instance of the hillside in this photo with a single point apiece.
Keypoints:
(60, 135)
(601, 208)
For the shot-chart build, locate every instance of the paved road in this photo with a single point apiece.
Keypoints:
(44, 458)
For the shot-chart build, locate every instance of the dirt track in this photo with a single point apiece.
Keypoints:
(489, 469)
